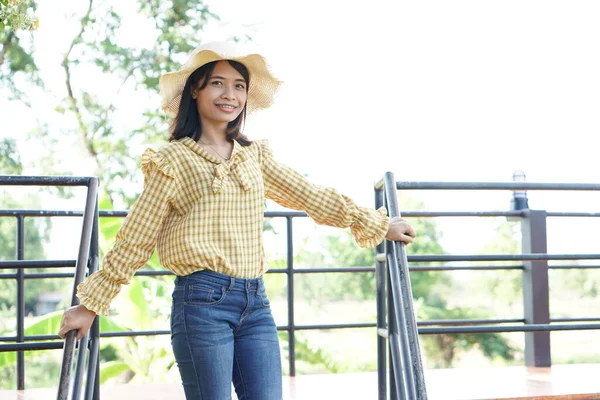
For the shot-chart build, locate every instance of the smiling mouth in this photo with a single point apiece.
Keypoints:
(226, 107)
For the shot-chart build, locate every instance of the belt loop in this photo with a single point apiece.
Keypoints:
(231, 283)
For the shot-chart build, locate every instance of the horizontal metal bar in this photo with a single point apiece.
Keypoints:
(135, 333)
(501, 257)
(273, 214)
(165, 272)
(19, 180)
(573, 266)
(335, 269)
(37, 264)
(326, 326)
(514, 328)
(39, 275)
(495, 186)
(29, 338)
(574, 319)
(572, 214)
(418, 268)
(463, 214)
(450, 322)
(39, 213)
(58, 213)
(285, 214)
(321, 270)
(4, 347)
(51, 275)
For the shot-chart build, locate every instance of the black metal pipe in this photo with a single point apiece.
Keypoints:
(399, 258)
(501, 257)
(380, 282)
(28, 346)
(285, 214)
(418, 268)
(574, 319)
(449, 322)
(92, 389)
(510, 328)
(24, 264)
(90, 213)
(80, 367)
(19, 180)
(40, 213)
(290, 276)
(398, 332)
(20, 303)
(573, 266)
(495, 186)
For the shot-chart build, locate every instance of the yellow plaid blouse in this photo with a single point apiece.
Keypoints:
(201, 213)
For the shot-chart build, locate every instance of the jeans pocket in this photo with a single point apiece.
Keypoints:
(204, 293)
(263, 298)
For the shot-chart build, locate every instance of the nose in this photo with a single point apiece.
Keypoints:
(228, 93)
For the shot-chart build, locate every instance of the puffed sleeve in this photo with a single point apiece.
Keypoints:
(324, 205)
(136, 240)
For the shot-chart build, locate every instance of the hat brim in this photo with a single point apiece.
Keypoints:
(261, 91)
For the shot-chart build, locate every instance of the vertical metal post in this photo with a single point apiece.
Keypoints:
(90, 214)
(290, 276)
(535, 289)
(380, 280)
(20, 302)
(92, 389)
(401, 385)
(405, 293)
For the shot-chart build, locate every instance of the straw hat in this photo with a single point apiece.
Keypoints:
(263, 84)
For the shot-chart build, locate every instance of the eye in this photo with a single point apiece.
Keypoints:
(217, 83)
(241, 86)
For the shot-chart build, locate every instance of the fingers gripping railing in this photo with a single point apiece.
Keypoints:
(88, 246)
(407, 379)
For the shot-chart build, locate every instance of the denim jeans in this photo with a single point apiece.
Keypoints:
(222, 331)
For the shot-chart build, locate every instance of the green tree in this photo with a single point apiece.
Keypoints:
(15, 15)
(113, 133)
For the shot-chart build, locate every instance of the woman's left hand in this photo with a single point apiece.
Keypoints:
(400, 231)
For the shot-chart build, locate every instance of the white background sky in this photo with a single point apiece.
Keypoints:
(429, 90)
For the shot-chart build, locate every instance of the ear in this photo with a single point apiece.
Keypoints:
(194, 94)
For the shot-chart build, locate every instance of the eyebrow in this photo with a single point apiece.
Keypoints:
(222, 77)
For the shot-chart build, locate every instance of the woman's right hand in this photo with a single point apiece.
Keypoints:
(76, 317)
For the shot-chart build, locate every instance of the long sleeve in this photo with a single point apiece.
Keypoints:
(136, 240)
(324, 205)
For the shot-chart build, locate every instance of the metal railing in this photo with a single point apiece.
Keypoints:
(402, 379)
(537, 324)
(87, 261)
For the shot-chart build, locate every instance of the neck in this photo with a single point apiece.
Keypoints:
(213, 136)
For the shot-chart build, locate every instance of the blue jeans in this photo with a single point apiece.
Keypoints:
(222, 331)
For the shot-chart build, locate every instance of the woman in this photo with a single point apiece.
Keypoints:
(202, 207)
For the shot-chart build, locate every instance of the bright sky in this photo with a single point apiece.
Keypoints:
(431, 90)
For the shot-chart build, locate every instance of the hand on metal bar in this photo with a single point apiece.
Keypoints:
(400, 231)
(76, 318)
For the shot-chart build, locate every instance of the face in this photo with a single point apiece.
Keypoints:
(224, 96)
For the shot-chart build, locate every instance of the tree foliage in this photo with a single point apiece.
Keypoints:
(15, 15)
(102, 67)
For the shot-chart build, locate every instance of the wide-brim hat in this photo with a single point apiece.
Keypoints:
(263, 84)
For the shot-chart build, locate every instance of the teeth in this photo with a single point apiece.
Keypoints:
(226, 106)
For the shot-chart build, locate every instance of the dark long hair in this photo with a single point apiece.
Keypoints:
(187, 121)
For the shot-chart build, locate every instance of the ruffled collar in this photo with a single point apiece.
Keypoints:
(223, 169)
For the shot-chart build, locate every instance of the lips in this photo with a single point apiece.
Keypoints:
(226, 107)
